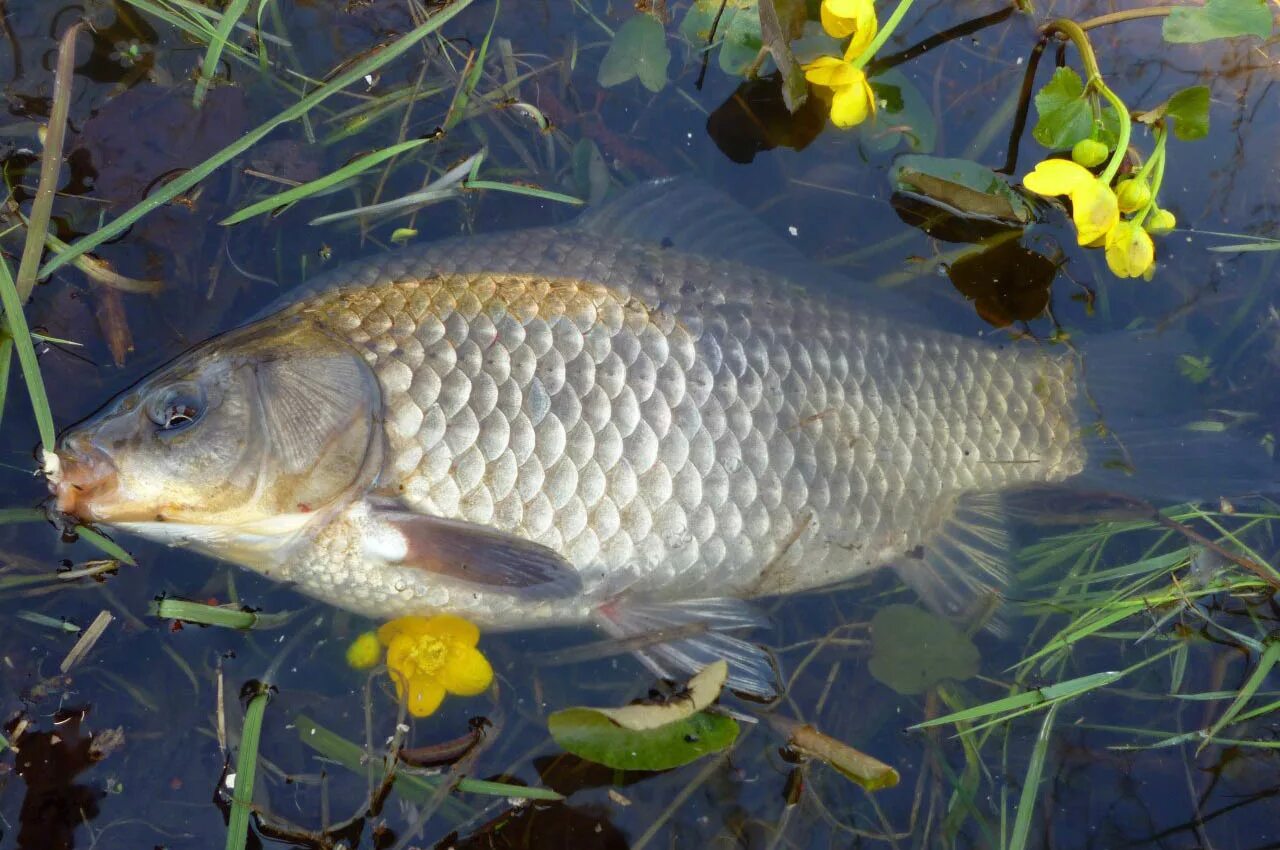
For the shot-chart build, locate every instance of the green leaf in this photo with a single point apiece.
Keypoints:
(742, 41)
(912, 650)
(1217, 19)
(639, 50)
(962, 187)
(906, 115)
(590, 735)
(1190, 110)
(1065, 114)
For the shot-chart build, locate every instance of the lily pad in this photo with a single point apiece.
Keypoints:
(590, 735)
(639, 50)
(1217, 19)
(913, 650)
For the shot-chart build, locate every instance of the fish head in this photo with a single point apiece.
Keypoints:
(280, 419)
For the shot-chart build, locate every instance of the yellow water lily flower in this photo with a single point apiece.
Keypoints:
(1130, 252)
(852, 99)
(364, 652)
(857, 18)
(431, 656)
(1093, 205)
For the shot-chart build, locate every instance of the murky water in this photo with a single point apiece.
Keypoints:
(127, 747)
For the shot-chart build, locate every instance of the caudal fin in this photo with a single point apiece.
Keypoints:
(1150, 432)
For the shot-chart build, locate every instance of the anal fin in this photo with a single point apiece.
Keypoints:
(962, 571)
(704, 627)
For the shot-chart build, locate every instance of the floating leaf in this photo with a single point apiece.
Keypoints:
(1217, 19)
(639, 50)
(742, 41)
(1066, 116)
(590, 735)
(912, 650)
(904, 114)
(962, 187)
(703, 689)
(1189, 110)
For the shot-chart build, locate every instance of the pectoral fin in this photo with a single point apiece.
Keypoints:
(475, 554)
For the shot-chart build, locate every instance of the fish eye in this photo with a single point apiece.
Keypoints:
(176, 407)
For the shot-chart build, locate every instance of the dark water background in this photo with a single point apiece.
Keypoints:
(132, 125)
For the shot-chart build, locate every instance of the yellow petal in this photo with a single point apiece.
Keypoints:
(364, 652)
(841, 18)
(1130, 252)
(1057, 177)
(1094, 210)
(423, 697)
(450, 628)
(388, 631)
(466, 673)
(850, 105)
(832, 72)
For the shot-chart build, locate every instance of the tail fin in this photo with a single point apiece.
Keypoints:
(1150, 432)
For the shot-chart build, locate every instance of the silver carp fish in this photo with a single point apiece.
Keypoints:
(607, 421)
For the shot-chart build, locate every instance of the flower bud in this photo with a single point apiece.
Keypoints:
(1161, 222)
(1089, 152)
(1133, 195)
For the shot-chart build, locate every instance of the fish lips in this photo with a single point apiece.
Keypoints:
(86, 476)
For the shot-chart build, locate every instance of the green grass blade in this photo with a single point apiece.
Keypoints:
(1031, 785)
(215, 615)
(21, 337)
(1268, 660)
(320, 184)
(1051, 693)
(505, 789)
(47, 621)
(50, 165)
(531, 191)
(189, 179)
(246, 769)
(103, 543)
(230, 16)
(6, 360)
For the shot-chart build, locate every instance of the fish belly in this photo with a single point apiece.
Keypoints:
(678, 427)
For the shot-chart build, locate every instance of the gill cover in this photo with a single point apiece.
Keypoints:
(279, 418)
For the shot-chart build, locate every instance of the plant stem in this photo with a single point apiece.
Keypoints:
(1076, 34)
(1127, 15)
(885, 32)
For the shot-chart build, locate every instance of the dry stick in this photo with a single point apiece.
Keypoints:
(87, 640)
(1024, 104)
(50, 163)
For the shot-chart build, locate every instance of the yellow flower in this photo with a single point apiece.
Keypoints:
(1130, 252)
(1093, 205)
(857, 18)
(431, 656)
(851, 97)
(364, 652)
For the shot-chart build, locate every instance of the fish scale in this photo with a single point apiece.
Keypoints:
(673, 425)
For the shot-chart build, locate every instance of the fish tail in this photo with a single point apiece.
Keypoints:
(1149, 431)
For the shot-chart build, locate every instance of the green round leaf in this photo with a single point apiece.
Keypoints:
(905, 115)
(1218, 19)
(590, 735)
(912, 650)
(639, 49)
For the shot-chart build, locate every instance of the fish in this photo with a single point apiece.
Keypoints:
(637, 419)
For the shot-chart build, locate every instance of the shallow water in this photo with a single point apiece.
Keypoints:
(132, 127)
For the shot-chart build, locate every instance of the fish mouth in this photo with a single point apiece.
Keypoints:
(87, 475)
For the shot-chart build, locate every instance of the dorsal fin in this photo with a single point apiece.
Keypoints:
(689, 215)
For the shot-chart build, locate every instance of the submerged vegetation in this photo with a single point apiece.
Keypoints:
(1133, 699)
